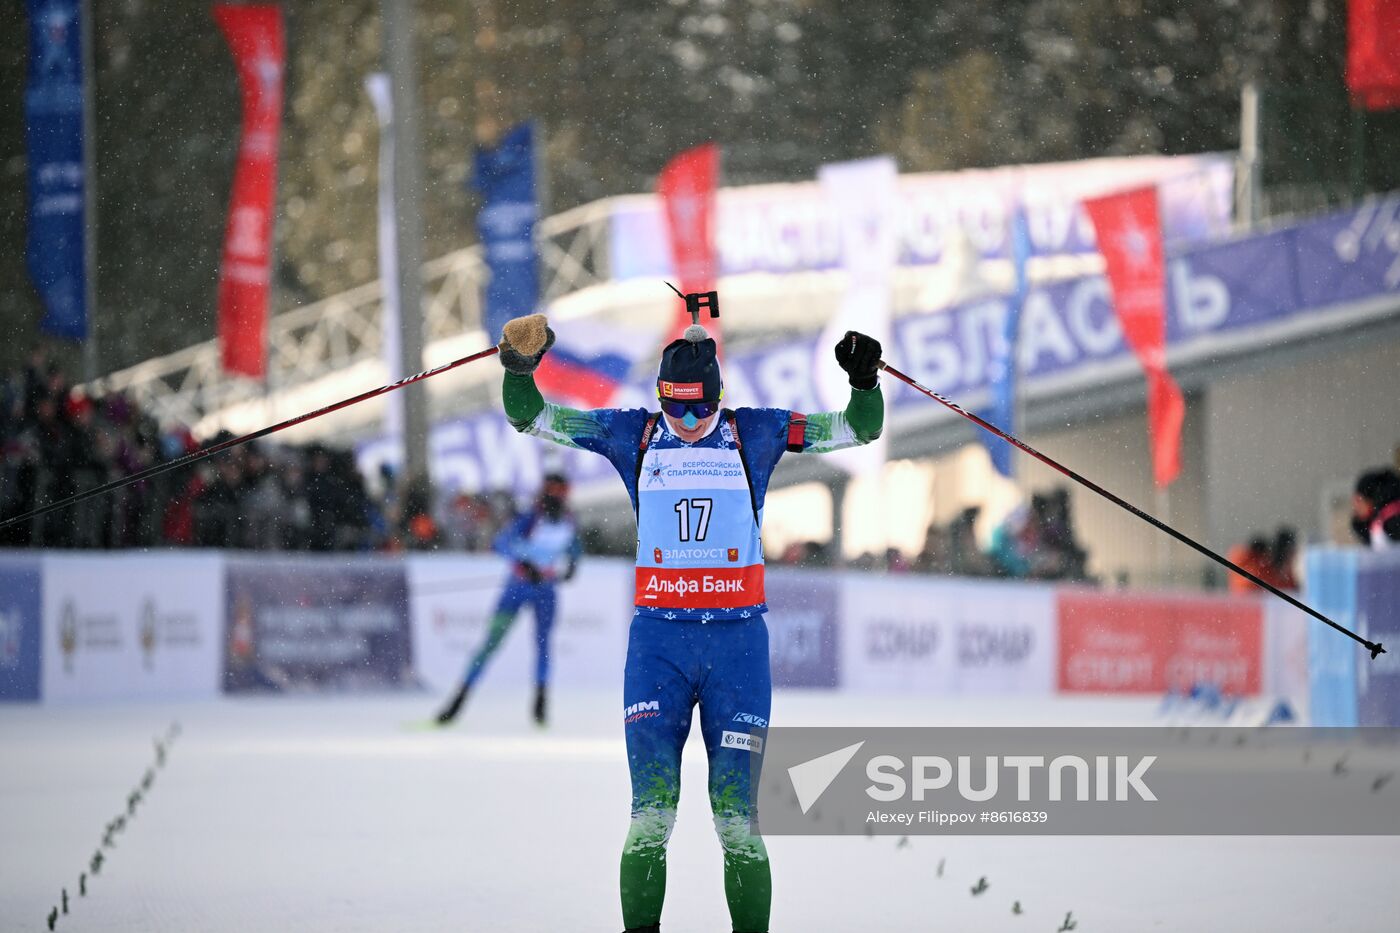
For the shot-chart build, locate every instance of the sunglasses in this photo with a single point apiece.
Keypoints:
(701, 410)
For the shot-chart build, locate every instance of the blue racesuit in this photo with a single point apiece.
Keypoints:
(542, 550)
(697, 635)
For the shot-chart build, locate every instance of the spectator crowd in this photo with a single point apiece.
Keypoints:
(1034, 542)
(1374, 520)
(55, 442)
(1272, 561)
(1375, 505)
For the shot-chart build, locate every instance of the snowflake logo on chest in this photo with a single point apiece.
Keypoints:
(656, 474)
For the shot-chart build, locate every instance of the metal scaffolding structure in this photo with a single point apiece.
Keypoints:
(309, 342)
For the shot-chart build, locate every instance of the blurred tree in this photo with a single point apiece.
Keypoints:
(618, 86)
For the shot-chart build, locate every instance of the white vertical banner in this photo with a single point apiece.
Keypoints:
(864, 197)
(377, 85)
(452, 598)
(931, 635)
(132, 626)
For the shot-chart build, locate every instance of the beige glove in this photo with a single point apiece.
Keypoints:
(524, 341)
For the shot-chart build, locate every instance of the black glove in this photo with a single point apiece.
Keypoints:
(859, 355)
(516, 362)
(532, 573)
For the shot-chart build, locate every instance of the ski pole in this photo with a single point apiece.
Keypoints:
(1374, 647)
(206, 452)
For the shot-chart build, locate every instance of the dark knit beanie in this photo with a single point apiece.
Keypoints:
(690, 368)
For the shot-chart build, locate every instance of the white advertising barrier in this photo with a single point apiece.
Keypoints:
(131, 626)
(1286, 654)
(925, 635)
(452, 598)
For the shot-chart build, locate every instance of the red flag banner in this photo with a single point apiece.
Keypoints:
(255, 36)
(687, 187)
(1129, 231)
(1373, 53)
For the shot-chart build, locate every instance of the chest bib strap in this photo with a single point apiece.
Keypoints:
(643, 444)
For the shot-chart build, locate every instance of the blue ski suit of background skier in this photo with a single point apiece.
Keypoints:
(543, 548)
(697, 475)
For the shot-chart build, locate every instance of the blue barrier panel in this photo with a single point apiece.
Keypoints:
(20, 640)
(1377, 611)
(1332, 657)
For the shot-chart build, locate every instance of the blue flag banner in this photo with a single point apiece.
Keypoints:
(53, 117)
(1001, 366)
(505, 178)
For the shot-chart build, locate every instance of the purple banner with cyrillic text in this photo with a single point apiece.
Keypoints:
(307, 624)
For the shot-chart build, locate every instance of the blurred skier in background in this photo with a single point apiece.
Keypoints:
(543, 546)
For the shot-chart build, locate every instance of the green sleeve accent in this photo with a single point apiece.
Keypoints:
(866, 413)
(860, 423)
(522, 400)
(529, 413)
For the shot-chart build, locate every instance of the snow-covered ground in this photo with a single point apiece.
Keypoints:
(333, 813)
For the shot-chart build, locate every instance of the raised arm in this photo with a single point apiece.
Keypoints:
(606, 431)
(864, 416)
(529, 413)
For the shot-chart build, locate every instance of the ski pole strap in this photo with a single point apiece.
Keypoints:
(797, 432)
